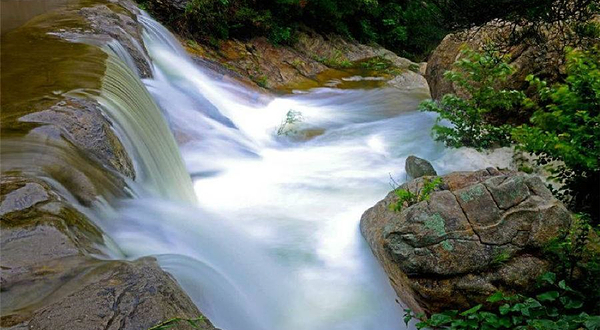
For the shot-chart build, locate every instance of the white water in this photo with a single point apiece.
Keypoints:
(274, 242)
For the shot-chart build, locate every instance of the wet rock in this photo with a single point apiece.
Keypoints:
(81, 122)
(417, 167)
(409, 80)
(50, 276)
(279, 67)
(478, 233)
(23, 198)
(121, 25)
(120, 295)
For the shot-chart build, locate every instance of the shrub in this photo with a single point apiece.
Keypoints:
(475, 116)
(565, 131)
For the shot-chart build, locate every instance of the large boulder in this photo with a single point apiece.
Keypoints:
(479, 232)
(527, 58)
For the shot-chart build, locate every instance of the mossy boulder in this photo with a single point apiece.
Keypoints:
(479, 232)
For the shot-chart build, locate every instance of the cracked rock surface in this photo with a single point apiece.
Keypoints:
(478, 233)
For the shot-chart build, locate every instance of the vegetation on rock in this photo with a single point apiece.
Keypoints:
(476, 115)
(565, 299)
(565, 131)
(407, 198)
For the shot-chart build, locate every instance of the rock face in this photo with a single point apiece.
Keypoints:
(51, 277)
(478, 233)
(277, 67)
(417, 167)
(526, 59)
(122, 26)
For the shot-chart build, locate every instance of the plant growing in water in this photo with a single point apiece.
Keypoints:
(291, 118)
(407, 198)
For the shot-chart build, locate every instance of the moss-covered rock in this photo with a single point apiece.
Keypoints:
(479, 232)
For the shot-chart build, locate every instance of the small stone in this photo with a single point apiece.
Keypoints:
(417, 167)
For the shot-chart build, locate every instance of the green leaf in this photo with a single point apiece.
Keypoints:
(570, 303)
(504, 309)
(439, 319)
(593, 322)
(548, 296)
(472, 310)
(549, 277)
(498, 296)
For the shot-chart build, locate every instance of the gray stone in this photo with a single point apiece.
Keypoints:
(417, 167)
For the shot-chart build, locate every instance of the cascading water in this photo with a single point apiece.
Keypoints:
(273, 242)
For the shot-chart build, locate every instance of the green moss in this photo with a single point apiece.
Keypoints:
(437, 224)
(472, 193)
(447, 245)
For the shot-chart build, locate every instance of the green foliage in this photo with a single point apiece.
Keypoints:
(406, 198)
(176, 321)
(411, 28)
(291, 118)
(565, 131)
(383, 65)
(473, 115)
(578, 259)
(565, 299)
(261, 81)
(558, 308)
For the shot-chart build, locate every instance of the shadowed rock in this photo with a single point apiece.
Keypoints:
(417, 167)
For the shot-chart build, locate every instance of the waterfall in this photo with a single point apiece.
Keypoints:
(266, 236)
(146, 133)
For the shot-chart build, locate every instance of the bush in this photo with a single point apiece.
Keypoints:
(476, 117)
(565, 131)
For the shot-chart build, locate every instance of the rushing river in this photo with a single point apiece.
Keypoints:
(265, 235)
(275, 241)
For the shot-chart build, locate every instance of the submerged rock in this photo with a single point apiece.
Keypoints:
(417, 167)
(478, 233)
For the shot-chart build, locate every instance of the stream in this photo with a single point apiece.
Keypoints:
(252, 201)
